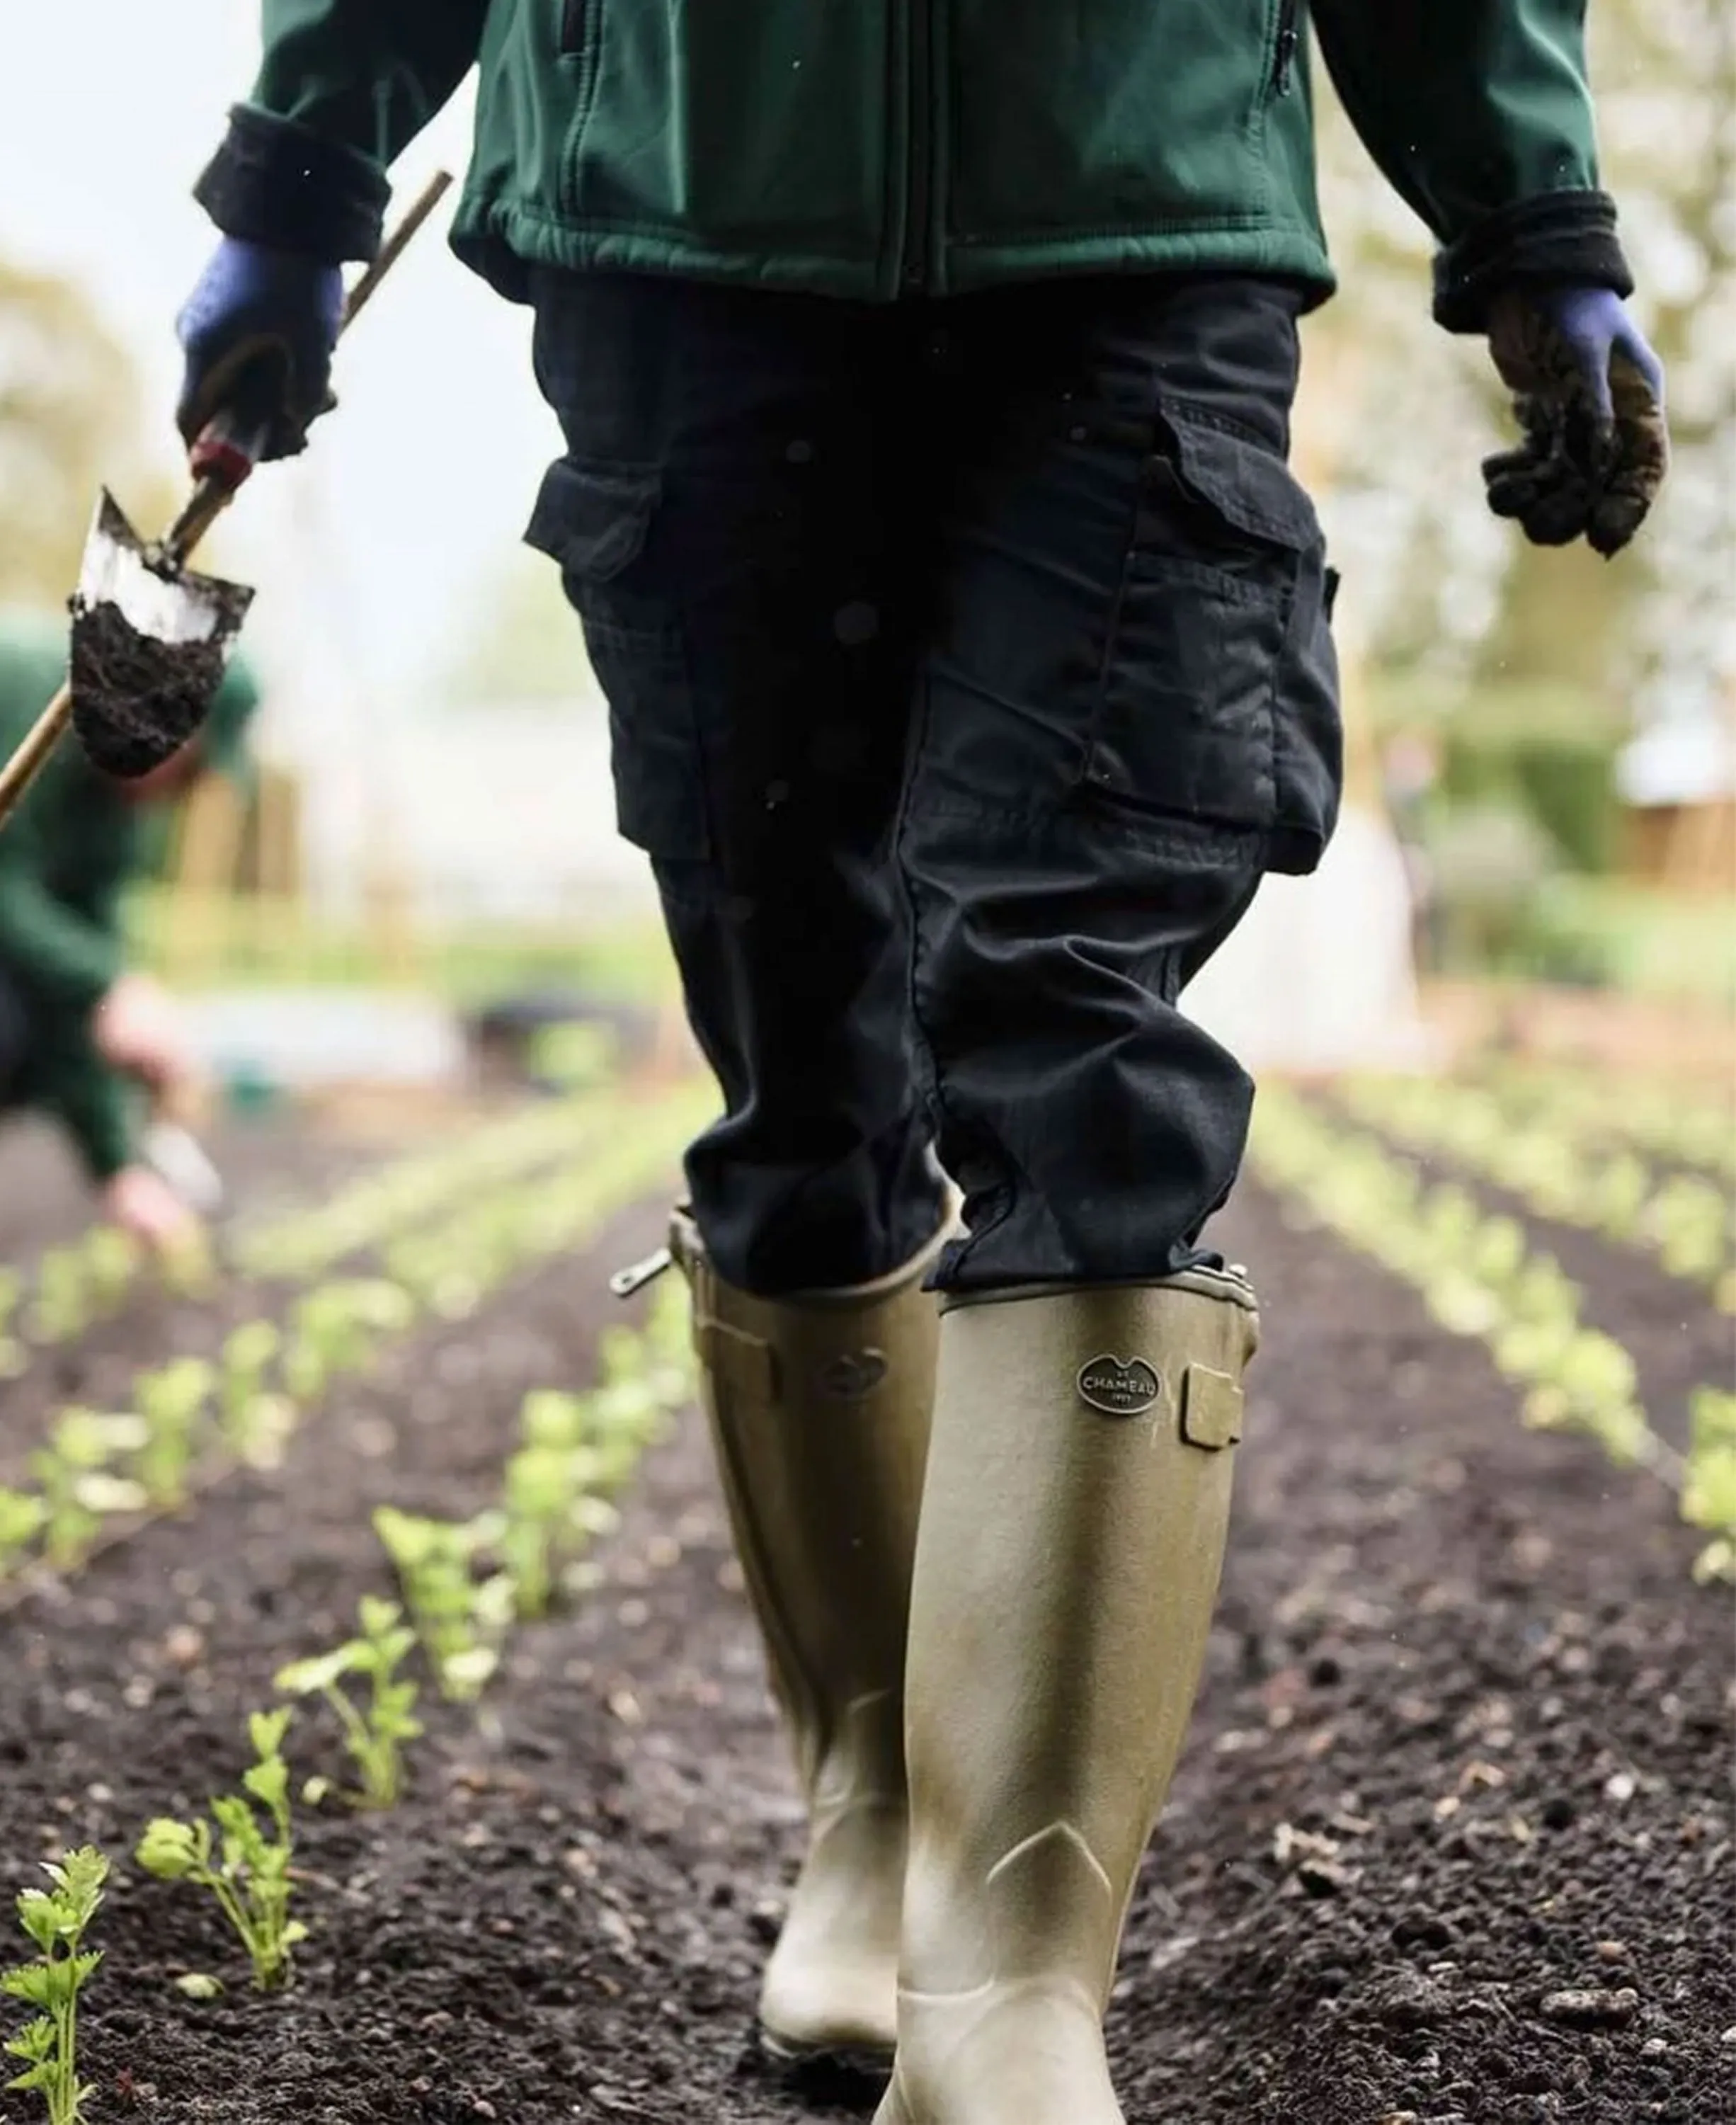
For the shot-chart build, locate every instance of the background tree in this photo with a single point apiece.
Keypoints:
(1443, 597)
(69, 422)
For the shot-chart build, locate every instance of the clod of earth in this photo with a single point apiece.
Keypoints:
(136, 701)
(1590, 2011)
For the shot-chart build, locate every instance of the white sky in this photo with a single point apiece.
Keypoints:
(423, 481)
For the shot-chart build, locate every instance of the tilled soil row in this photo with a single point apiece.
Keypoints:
(1450, 1843)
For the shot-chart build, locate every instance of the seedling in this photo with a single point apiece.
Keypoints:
(255, 1420)
(374, 1736)
(77, 1489)
(56, 1919)
(61, 1305)
(1709, 1493)
(1712, 1419)
(1709, 1499)
(247, 1870)
(337, 1328)
(14, 1358)
(110, 1264)
(189, 1265)
(171, 1401)
(548, 1516)
(23, 1515)
(458, 1620)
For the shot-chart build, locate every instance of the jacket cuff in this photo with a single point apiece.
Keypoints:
(274, 182)
(1558, 237)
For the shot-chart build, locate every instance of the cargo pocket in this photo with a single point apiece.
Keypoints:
(1186, 725)
(595, 520)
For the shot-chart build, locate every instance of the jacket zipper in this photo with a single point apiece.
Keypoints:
(1283, 63)
(921, 146)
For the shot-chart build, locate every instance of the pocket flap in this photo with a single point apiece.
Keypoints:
(592, 517)
(1252, 489)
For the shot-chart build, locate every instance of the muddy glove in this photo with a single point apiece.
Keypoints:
(1589, 395)
(258, 331)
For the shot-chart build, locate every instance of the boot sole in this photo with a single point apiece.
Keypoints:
(870, 2062)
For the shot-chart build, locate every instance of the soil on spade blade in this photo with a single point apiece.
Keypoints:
(1451, 1843)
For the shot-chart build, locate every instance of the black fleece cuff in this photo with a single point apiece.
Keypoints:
(274, 182)
(1556, 236)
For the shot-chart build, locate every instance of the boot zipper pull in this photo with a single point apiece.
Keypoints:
(625, 1282)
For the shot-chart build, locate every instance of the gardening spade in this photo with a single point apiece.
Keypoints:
(150, 638)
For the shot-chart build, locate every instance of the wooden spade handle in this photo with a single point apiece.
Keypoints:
(22, 770)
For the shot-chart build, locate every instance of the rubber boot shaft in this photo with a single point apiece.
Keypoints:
(819, 1407)
(1073, 1528)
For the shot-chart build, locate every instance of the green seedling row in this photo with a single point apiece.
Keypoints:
(1671, 1126)
(1479, 1278)
(100, 1472)
(1687, 1221)
(89, 1280)
(410, 1191)
(74, 1287)
(574, 1449)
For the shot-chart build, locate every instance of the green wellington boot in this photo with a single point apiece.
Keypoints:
(1073, 1527)
(819, 1408)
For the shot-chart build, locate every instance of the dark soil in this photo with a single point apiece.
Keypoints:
(1463, 1749)
(136, 698)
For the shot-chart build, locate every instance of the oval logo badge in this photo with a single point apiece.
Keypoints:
(856, 1374)
(1119, 1386)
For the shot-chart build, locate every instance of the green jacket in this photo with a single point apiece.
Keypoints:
(66, 856)
(869, 148)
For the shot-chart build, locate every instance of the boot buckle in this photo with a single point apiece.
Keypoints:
(625, 1282)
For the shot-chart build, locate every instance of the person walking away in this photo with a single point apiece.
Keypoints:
(925, 370)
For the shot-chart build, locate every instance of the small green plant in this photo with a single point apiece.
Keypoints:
(336, 1329)
(373, 1734)
(188, 1267)
(248, 1354)
(23, 1515)
(548, 1513)
(171, 1401)
(78, 1490)
(110, 1263)
(458, 1619)
(56, 1919)
(244, 1867)
(14, 1358)
(1708, 1491)
(61, 1305)
(256, 1420)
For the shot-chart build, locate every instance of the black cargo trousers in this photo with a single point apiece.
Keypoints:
(968, 664)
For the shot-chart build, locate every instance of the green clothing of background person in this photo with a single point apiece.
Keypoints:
(78, 1029)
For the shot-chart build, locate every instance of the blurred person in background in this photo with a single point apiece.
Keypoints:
(84, 1038)
(925, 374)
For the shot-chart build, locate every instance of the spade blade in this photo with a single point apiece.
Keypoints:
(150, 640)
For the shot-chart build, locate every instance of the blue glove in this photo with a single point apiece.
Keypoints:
(1589, 395)
(258, 332)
